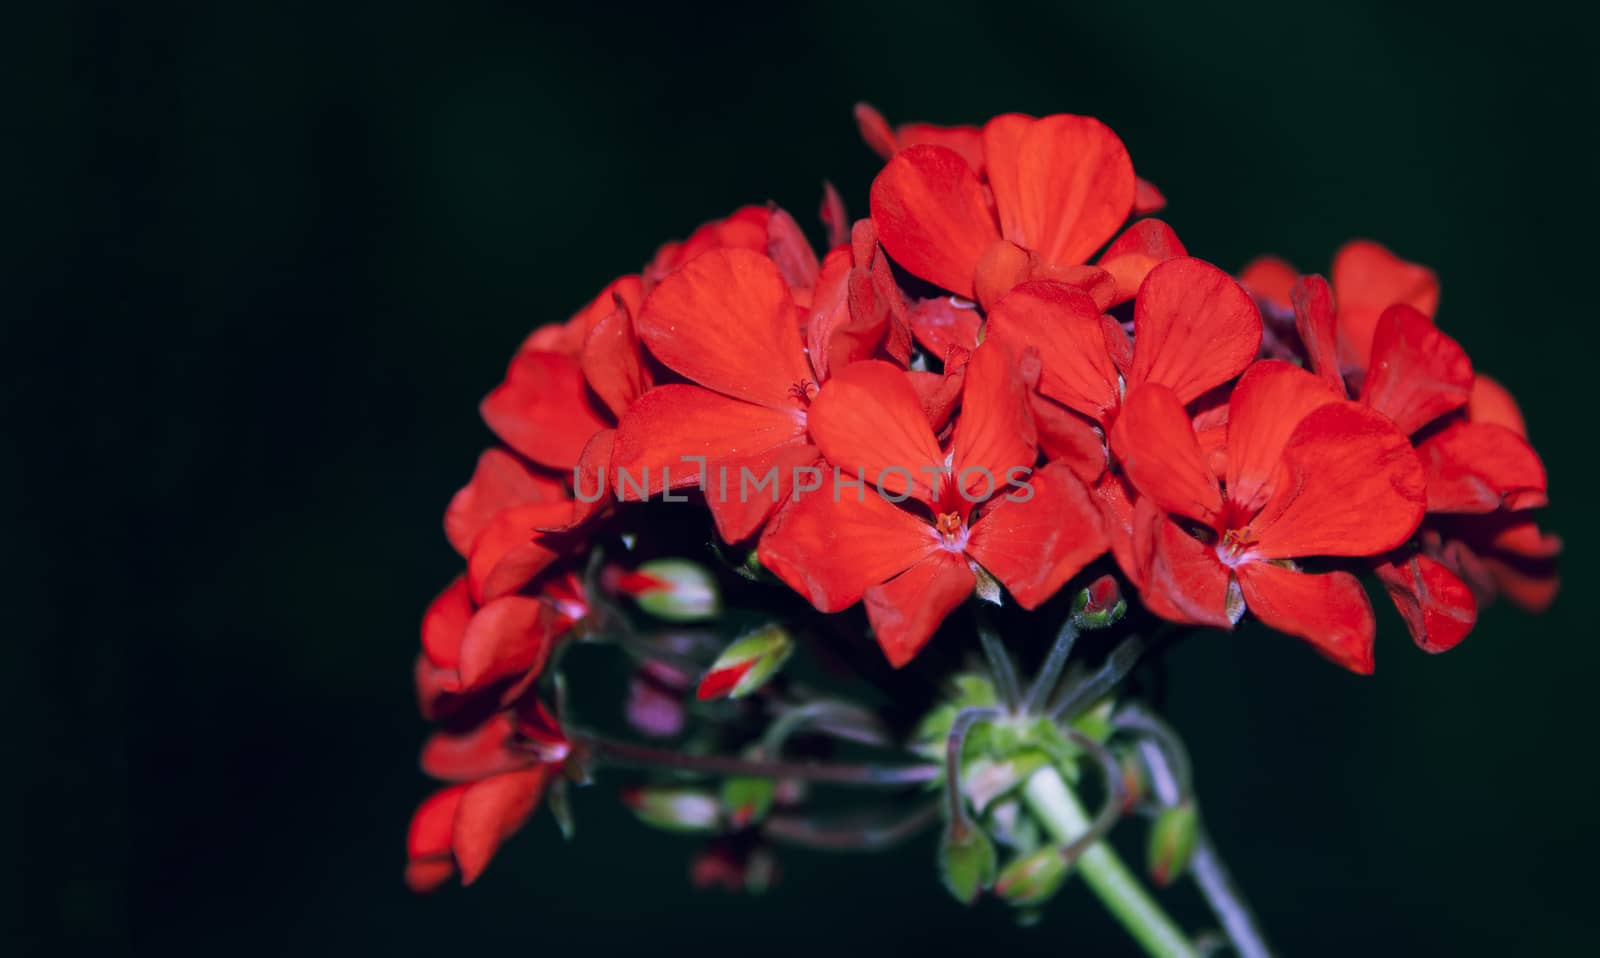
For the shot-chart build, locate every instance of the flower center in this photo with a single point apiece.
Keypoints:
(803, 391)
(1234, 545)
(952, 531)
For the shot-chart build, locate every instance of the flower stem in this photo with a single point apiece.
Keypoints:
(1050, 673)
(603, 751)
(1105, 873)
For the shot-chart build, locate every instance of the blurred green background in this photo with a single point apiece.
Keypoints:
(264, 260)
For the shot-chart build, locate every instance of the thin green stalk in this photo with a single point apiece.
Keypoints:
(1103, 871)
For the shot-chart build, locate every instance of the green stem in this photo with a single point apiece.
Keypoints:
(1064, 817)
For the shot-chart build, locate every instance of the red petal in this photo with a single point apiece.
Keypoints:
(1066, 437)
(831, 325)
(1193, 328)
(833, 216)
(511, 550)
(1351, 486)
(492, 811)
(1368, 279)
(790, 250)
(1063, 188)
(941, 325)
(1035, 545)
(1146, 198)
(1437, 606)
(612, 361)
(1417, 373)
(428, 874)
(1270, 279)
(499, 482)
(831, 551)
(1063, 323)
(939, 392)
(1492, 403)
(1140, 248)
(869, 422)
(670, 425)
(994, 437)
(1116, 503)
(1315, 321)
(743, 493)
(1156, 446)
(510, 636)
(542, 410)
(875, 130)
(445, 622)
(432, 823)
(1267, 404)
(907, 610)
(1330, 611)
(1183, 580)
(725, 320)
(1478, 467)
(931, 216)
(1531, 586)
(590, 492)
(471, 755)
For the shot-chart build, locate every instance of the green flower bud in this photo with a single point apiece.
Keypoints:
(747, 800)
(675, 590)
(1032, 879)
(967, 862)
(1172, 839)
(675, 809)
(747, 664)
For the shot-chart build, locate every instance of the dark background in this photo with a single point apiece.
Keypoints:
(264, 259)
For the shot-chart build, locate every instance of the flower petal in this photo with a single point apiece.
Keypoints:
(1331, 611)
(490, 812)
(613, 362)
(445, 623)
(1350, 486)
(1141, 247)
(994, 436)
(499, 482)
(1437, 606)
(1062, 188)
(744, 493)
(1035, 545)
(510, 636)
(1480, 467)
(542, 409)
(1368, 279)
(790, 251)
(931, 216)
(1318, 326)
(1270, 279)
(1194, 327)
(1063, 323)
(476, 753)
(868, 421)
(832, 550)
(1267, 404)
(941, 325)
(908, 609)
(1181, 579)
(1156, 445)
(1417, 373)
(511, 550)
(1065, 436)
(670, 428)
(1493, 403)
(725, 320)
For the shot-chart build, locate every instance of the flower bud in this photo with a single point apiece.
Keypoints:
(747, 800)
(674, 809)
(747, 664)
(1032, 879)
(675, 590)
(967, 862)
(1100, 605)
(1172, 839)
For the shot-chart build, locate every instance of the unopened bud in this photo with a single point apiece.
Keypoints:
(1032, 879)
(1172, 839)
(1100, 605)
(747, 800)
(967, 861)
(747, 664)
(674, 809)
(675, 590)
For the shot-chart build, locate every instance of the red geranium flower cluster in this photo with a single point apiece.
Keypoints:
(1004, 373)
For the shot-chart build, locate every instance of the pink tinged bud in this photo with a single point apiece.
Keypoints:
(675, 590)
(1032, 879)
(1100, 605)
(1172, 839)
(674, 809)
(747, 800)
(652, 710)
(747, 664)
(967, 862)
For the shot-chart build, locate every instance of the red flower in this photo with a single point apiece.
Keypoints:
(501, 769)
(914, 563)
(1061, 186)
(1306, 474)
